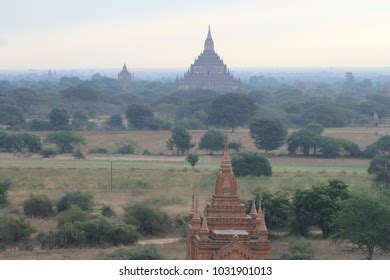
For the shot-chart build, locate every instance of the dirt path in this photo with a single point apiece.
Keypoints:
(160, 241)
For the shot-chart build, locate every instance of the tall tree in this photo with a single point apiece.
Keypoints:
(231, 109)
(59, 118)
(137, 114)
(180, 139)
(268, 134)
(212, 141)
(365, 221)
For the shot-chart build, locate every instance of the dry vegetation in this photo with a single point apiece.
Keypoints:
(168, 182)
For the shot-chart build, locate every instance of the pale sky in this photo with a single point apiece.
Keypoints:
(42, 34)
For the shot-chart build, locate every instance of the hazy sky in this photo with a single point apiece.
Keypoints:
(170, 33)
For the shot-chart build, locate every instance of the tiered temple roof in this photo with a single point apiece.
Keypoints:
(225, 231)
(208, 71)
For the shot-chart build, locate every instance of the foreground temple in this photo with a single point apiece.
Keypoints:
(208, 71)
(225, 231)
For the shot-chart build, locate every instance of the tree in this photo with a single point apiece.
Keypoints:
(303, 141)
(115, 121)
(251, 163)
(365, 221)
(32, 143)
(181, 140)
(380, 168)
(278, 208)
(192, 159)
(329, 146)
(79, 120)
(137, 114)
(65, 141)
(380, 146)
(327, 115)
(318, 205)
(212, 141)
(11, 115)
(269, 134)
(231, 109)
(59, 118)
(5, 185)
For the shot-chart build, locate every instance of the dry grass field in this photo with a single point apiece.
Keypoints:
(168, 182)
(155, 141)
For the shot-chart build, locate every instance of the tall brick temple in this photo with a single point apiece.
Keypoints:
(225, 231)
(208, 71)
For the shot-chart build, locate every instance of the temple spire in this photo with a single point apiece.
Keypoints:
(253, 212)
(192, 211)
(209, 43)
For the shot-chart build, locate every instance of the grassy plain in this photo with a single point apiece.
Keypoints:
(167, 182)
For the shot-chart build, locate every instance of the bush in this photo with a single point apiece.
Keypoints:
(38, 206)
(82, 200)
(78, 154)
(98, 150)
(89, 233)
(65, 141)
(4, 187)
(107, 212)
(180, 223)
(148, 221)
(278, 209)
(126, 147)
(48, 152)
(39, 125)
(75, 214)
(299, 250)
(14, 229)
(146, 152)
(379, 147)
(380, 168)
(137, 253)
(251, 163)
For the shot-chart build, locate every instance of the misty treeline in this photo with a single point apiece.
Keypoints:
(102, 103)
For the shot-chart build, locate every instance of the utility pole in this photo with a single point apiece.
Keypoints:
(111, 178)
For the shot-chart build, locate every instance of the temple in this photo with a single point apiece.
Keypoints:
(124, 75)
(208, 71)
(225, 231)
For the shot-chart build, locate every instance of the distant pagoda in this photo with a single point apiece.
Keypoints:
(124, 75)
(225, 231)
(208, 71)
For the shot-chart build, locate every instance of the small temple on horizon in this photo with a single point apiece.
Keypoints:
(208, 71)
(124, 75)
(225, 231)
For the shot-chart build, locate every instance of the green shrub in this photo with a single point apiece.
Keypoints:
(146, 152)
(75, 214)
(107, 212)
(299, 250)
(137, 253)
(98, 150)
(82, 200)
(180, 223)
(78, 154)
(4, 187)
(38, 206)
(89, 233)
(14, 229)
(251, 163)
(149, 221)
(278, 209)
(126, 147)
(48, 152)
